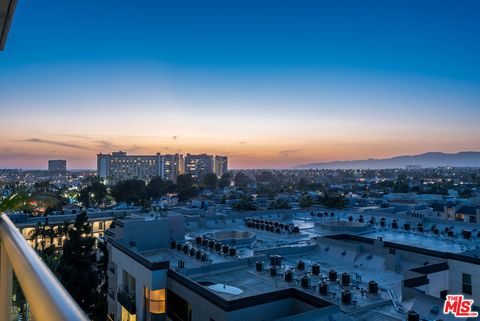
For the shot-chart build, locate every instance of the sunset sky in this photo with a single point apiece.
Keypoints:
(268, 83)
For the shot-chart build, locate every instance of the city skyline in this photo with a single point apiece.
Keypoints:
(270, 86)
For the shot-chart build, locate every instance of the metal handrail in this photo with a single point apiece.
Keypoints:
(47, 298)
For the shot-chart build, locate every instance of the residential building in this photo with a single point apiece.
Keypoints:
(57, 166)
(170, 166)
(198, 165)
(119, 166)
(246, 266)
(100, 220)
(220, 165)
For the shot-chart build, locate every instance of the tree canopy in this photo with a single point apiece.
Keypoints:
(210, 181)
(77, 268)
(130, 191)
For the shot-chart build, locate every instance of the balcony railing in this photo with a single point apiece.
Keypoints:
(127, 299)
(47, 298)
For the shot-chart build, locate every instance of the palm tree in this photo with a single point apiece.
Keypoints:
(13, 202)
(38, 232)
(62, 230)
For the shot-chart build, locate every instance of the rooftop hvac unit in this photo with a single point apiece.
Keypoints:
(305, 282)
(273, 271)
(288, 276)
(300, 265)
(372, 287)
(413, 316)
(346, 297)
(323, 288)
(225, 249)
(275, 260)
(332, 275)
(345, 279)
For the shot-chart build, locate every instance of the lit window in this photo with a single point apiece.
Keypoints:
(126, 316)
(155, 301)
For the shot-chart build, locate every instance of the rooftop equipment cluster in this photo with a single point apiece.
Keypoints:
(320, 214)
(407, 226)
(202, 247)
(306, 277)
(272, 226)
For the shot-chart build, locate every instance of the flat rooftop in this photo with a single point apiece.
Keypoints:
(431, 242)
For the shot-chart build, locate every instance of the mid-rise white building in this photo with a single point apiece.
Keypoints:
(119, 166)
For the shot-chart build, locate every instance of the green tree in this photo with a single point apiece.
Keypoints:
(303, 184)
(13, 202)
(225, 180)
(245, 204)
(188, 193)
(130, 191)
(279, 204)
(242, 180)
(185, 187)
(77, 269)
(265, 177)
(333, 200)
(42, 187)
(210, 181)
(305, 201)
(156, 187)
(185, 181)
(101, 308)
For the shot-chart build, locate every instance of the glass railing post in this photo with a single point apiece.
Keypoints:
(6, 277)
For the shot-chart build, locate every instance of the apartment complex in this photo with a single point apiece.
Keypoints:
(271, 265)
(57, 165)
(119, 166)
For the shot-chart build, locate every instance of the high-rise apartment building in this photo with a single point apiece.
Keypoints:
(119, 166)
(220, 165)
(57, 165)
(170, 166)
(199, 165)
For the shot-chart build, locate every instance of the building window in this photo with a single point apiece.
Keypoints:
(126, 316)
(155, 301)
(467, 283)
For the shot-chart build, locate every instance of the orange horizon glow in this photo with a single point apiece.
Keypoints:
(268, 152)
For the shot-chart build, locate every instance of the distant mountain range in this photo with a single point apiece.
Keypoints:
(431, 159)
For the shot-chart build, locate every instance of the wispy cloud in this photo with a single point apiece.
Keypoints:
(286, 153)
(55, 143)
(243, 143)
(103, 144)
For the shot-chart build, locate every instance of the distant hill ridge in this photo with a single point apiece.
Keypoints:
(430, 159)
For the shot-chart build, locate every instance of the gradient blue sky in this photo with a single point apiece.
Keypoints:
(269, 83)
